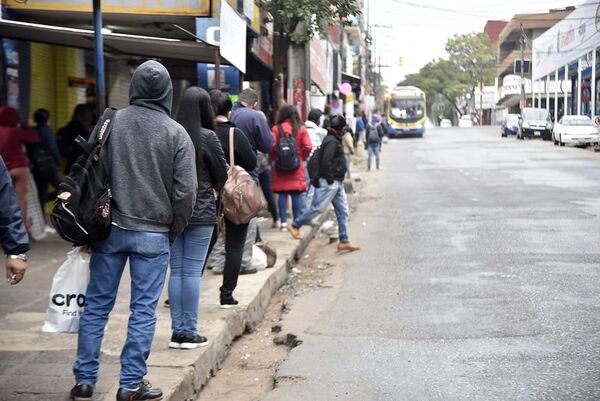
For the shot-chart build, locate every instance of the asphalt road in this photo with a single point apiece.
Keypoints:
(478, 278)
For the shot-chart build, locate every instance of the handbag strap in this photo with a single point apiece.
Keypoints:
(231, 158)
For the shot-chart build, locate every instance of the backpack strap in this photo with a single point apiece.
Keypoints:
(231, 157)
(281, 132)
(100, 132)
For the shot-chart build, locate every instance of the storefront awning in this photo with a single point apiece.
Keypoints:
(135, 45)
(351, 78)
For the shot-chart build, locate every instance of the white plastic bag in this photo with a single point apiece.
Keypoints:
(67, 295)
(259, 258)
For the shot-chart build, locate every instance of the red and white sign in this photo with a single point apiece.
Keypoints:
(586, 91)
(299, 97)
(318, 64)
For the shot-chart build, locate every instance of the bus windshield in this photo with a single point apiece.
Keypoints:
(406, 109)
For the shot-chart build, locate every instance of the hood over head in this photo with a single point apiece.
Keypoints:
(151, 87)
(9, 116)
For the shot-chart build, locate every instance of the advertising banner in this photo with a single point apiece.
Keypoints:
(233, 37)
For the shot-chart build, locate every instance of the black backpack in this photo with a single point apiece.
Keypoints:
(287, 152)
(373, 136)
(81, 212)
(312, 165)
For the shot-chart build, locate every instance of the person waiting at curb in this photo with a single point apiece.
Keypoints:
(348, 144)
(13, 234)
(235, 235)
(332, 169)
(14, 135)
(189, 250)
(254, 125)
(374, 140)
(154, 186)
(316, 134)
(292, 183)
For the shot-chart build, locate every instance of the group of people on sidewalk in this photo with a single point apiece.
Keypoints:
(165, 177)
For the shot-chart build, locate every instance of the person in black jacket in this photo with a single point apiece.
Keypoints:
(80, 125)
(189, 251)
(13, 234)
(235, 235)
(332, 169)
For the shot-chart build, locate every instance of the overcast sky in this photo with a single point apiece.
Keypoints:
(418, 33)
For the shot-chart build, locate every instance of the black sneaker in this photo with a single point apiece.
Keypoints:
(250, 270)
(82, 392)
(228, 303)
(144, 392)
(176, 340)
(192, 342)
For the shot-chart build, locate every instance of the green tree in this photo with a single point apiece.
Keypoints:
(474, 57)
(297, 21)
(439, 77)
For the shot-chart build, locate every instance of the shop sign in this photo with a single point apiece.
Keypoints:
(318, 63)
(148, 7)
(511, 85)
(262, 47)
(567, 41)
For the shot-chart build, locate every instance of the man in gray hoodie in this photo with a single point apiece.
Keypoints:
(153, 182)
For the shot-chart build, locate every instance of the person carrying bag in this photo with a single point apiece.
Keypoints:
(241, 198)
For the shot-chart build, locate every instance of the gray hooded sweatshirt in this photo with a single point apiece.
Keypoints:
(153, 170)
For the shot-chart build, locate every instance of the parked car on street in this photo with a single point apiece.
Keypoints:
(575, 130)
(465, 121)
(445, 123)
(510, 125)
(535, 122)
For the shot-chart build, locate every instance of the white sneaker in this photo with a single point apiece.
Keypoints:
(283, 227)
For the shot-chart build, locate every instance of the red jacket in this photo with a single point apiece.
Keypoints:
(291, 180)
(13, 139)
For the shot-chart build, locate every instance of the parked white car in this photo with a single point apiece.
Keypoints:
(445, 123)
(465, 121)
(575, 130)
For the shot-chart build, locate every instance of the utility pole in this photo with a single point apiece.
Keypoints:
(522, 40)
(99, 58)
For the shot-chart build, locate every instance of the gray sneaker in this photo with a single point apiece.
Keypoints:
(217, 270)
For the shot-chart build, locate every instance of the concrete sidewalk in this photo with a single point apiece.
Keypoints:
(37, 366)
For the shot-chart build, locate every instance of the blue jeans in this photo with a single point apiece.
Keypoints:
(296, 204)
(324, 195)
(373, 149)
(148, 255)
(188, 254)
(265, 180)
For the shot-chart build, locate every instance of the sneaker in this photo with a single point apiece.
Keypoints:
(276, 225)
(176, 340)
(144, 392)
(294, 232)
(249, 270)
(283, 226)
(217, 270)
(82, 392)
(347, 246)
(192, 342)
(228, 303)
